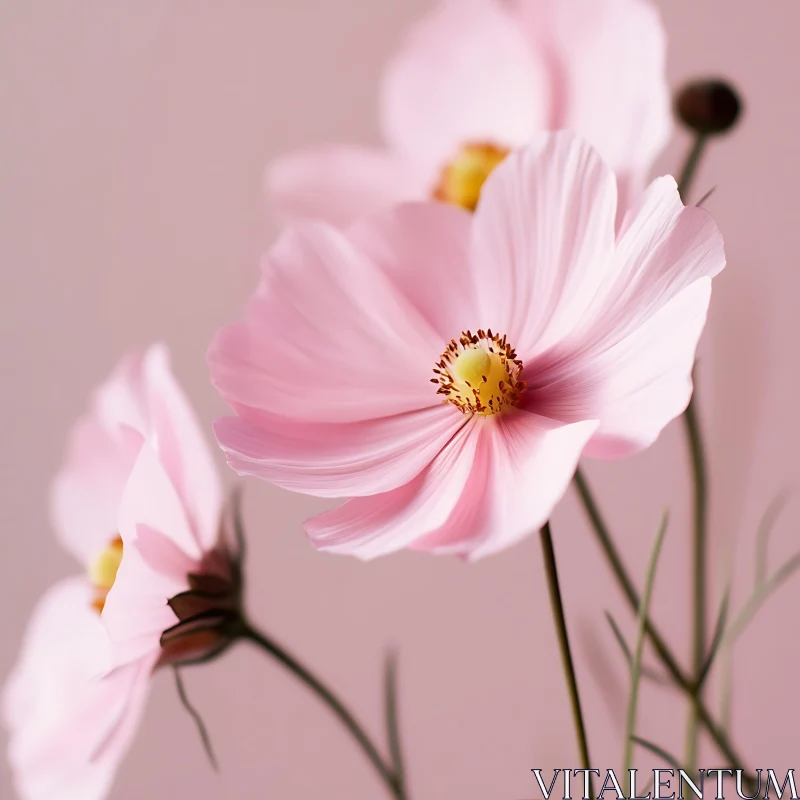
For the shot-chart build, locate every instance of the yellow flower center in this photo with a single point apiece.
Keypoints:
(479, 374)
(462, 178)
(103, 572)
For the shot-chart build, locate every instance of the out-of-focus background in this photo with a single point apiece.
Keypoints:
(132, 148)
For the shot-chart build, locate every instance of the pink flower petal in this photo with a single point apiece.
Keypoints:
(424, 250)
(466, 73)
(101, 451)
(497, 481)
(141, 401)
(86, 493)
(136, 611)
(649, 381)
(58, 709)
(372, 526)
(159, 550)
(609, 59)
(629, 362)
(640, 384)
(543, 234)
(183, 448)
(338, 184)
(326, 338)
(663, 248)
(522, 468)
(337, 460)
(150, 498)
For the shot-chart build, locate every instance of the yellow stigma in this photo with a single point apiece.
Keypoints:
(462, 178)
(479, 374)
(103, 572)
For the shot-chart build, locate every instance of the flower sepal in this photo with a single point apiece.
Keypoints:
(209, 612)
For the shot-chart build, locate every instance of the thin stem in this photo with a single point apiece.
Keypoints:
(198, 720)
(638, 655)
(327, 696)
(699, 570)
(700, 513)
(393, 724)
(563, 641)
(658, 641)
(690, 165)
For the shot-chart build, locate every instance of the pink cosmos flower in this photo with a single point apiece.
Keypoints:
(478, 78)
(138, 504)
(446, 370)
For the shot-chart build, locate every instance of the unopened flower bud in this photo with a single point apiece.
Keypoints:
(708, 107)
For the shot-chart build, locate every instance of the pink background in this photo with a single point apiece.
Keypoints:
(132, 149)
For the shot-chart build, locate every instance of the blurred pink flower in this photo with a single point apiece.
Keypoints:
(476, 79)
(446, 370)
(138, 503)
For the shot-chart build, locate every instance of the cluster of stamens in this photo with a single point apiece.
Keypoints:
(479, 373)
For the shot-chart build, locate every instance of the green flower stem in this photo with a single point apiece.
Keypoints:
(699, 570)
(700, 512)
(563, 641)
(326, 695)
(659, 643)
(638, 656)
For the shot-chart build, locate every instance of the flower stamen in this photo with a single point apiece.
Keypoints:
(479, 374)
(463, 177)
(103, 572)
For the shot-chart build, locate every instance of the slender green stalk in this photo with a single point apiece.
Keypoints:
(659, 643)
(638, 655)
(693, 159)
(763, 534)
(198, 720)
(700, 513)
(327, 696)
(393, 724)
(563, 641)
(759, 595)
(699, 575)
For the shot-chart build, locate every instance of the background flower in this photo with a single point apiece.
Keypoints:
(69, 725)
(542, 332)
(476, 79)
(76, 695)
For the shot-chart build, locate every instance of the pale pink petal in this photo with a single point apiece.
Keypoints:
(102, 448)
(637, 386)
(498, 481)
(150, 498)
(136, 611)
(121, 402)
(373, 526)
(327, 337)
(608, 59)
(652, 382)
(338, 460)
(543, 240)
(141, 401)
(59, 711)
(664, 248)
(136, 678)
(182, 448)
(86, 493)
(466, 73)
(628, 363)
(340, 183)
(424, 249)
(522, 468)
